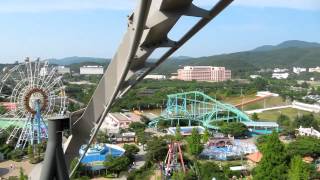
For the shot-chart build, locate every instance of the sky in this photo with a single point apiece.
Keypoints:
(94, 28)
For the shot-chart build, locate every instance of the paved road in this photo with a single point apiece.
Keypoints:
(140, 158)
(6, 170)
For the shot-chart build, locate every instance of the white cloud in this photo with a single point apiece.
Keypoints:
(17, 6)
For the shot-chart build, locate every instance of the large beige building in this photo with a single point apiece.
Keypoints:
(204, 73)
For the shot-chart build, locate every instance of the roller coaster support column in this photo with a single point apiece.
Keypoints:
(54, 166)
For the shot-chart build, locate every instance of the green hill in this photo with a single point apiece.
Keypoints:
(285, 55)
(76, 60)
(288, 44)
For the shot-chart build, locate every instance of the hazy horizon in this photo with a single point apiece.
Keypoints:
(94, 28)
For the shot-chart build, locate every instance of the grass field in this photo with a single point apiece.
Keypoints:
(290, 112)
(268, 102)
(238, 99)
(5, 123)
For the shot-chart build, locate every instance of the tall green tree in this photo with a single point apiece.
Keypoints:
(235, 129)
(116, 164)
(304, 146)
(2, 109)
(255, 116)
(102, 137)
(142, 137)
(283, 120)
(137, 126)
(22, 176)
(273, 164)
(298, 169)
(194, 142)
(30, 153)
(156, 149)
(307, 120)
(131, 151)
(205, 136)
(178, 135)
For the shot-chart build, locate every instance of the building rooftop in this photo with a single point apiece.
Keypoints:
(125, 116)
(99, 153)
(260, 124)
(255, 157)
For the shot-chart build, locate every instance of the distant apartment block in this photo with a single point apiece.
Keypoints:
(280, 75)
(299, 70)
(204, 73)
(156, 77)
(279, 70)
(91, 70)
(63, 70)
(254, 76)
(316, 69)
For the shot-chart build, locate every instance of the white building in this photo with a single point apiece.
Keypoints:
(87, 70)
(299, 70)
(279, 70)
(174, 77)
(63, 70)
(266, 93)
(116, 121)
(316, 69)
(44, 71)
(280, 75)
(254, 76)
(156, 77)
(308, 132)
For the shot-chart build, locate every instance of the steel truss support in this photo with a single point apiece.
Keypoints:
(148, 29)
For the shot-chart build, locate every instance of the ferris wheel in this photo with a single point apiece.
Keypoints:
(34, 91)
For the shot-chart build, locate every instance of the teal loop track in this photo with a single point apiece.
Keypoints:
(197, 107)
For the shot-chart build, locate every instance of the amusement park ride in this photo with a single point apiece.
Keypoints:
(37, 92)
(147, 30)
(171, 163)
(198, 107)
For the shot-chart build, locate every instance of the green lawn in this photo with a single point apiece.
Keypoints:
(6, 122)
(290, 112)
(268, 102)
(238, 99)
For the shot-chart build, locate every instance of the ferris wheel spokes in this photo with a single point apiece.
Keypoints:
(28, 83)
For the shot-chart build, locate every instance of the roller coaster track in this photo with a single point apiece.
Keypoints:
(195, 106)
(148, 28)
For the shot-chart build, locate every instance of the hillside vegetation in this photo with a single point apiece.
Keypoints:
(285, 56)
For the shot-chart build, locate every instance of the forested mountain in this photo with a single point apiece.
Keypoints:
(286, 54)
(76, 60)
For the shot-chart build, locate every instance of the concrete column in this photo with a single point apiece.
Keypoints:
(54, 165)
